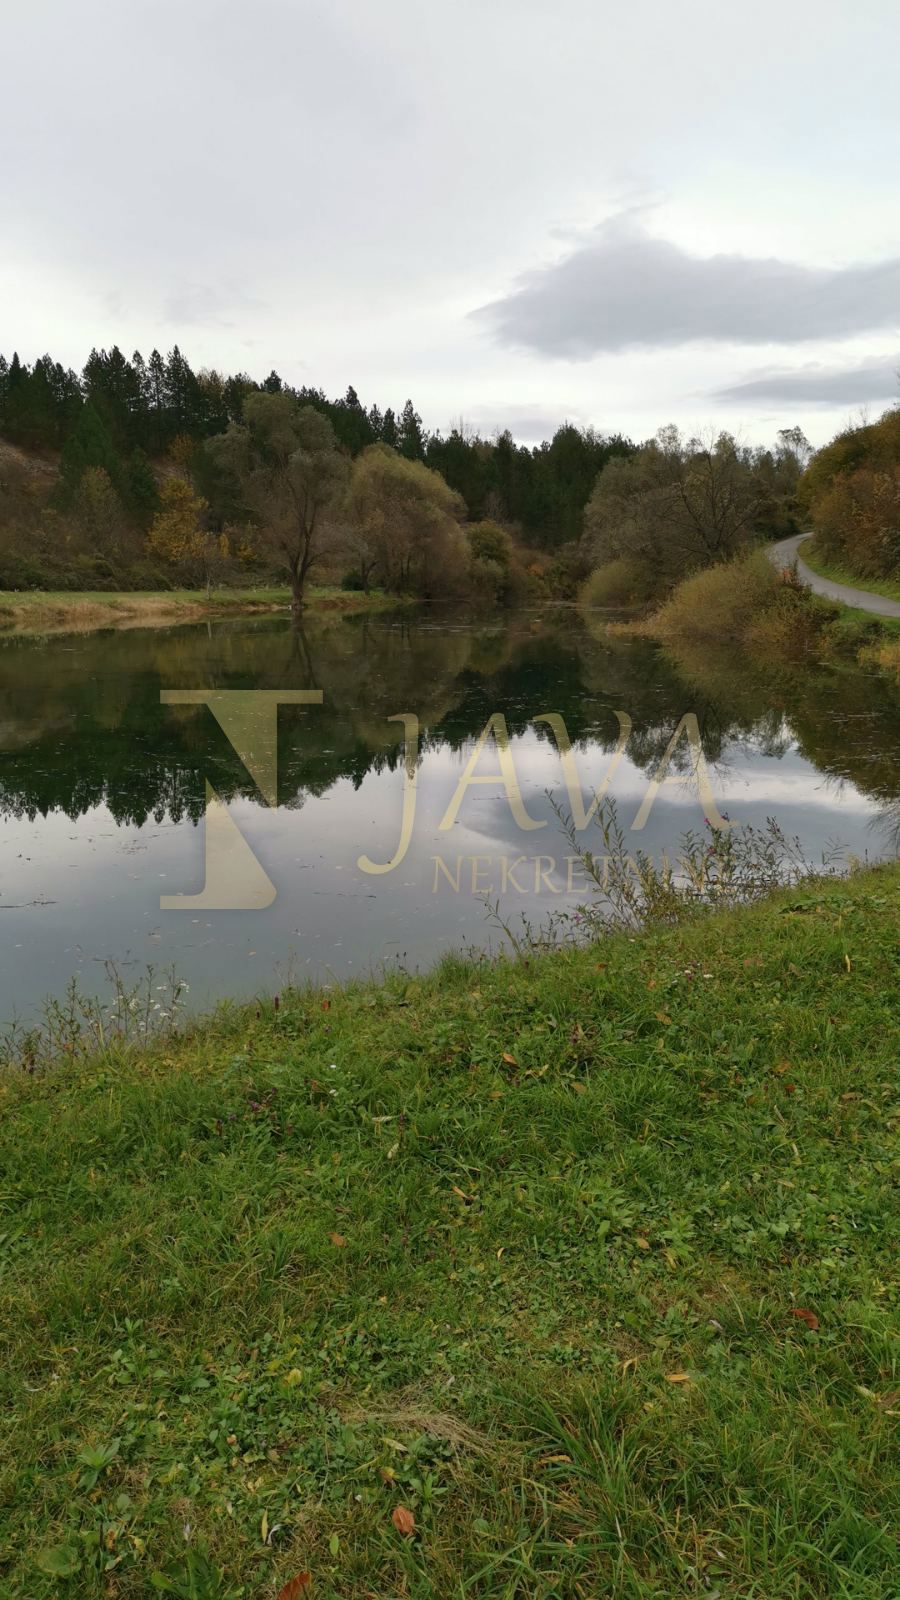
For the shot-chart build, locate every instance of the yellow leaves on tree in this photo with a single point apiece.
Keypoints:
(177, 532)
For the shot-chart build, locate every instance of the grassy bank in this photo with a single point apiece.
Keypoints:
(584, 1262)
(825, 569)
(36, 611)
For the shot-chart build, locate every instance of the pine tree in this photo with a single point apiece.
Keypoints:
(111, 386)
(88, 446)
(16, 403)
(351, 423)
(139, 488)
(182, 392)
(156, 402)
(412, 438)
(389, 434)
(235, 393)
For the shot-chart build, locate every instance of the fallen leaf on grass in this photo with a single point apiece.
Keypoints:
(642, 1244)
(337, 1240)
(403, 1521)
(294, 1587)
(510, 1061)
(809, 1317)
(663, 1016)
(678, 1377)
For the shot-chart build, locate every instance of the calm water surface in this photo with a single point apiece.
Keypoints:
(103, 788)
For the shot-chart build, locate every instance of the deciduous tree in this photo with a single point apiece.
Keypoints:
(288, 475)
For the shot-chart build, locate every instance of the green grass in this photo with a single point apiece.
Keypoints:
(448, 1243)
(888, 587)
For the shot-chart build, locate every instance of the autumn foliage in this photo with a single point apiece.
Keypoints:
(851, 491)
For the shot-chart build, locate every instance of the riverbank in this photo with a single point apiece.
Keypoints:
(61, 612)
(762, 610)
(569, 1276)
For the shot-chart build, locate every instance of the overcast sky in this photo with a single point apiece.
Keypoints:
(515, 211)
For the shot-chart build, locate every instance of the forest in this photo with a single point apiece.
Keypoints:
(146, 474)
(133, 471)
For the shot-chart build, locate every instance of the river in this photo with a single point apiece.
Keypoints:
(117, 800)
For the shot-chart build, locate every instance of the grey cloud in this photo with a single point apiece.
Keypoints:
(871, 380)
(623, 288)
(209, 304)
(529, 424)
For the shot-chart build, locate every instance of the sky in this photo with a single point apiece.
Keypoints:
(515, 212)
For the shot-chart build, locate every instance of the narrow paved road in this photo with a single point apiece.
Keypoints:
(785, 552)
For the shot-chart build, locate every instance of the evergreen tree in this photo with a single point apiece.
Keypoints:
(139, 489)
(389, 434)
(113, 388)
(412, 437)
(34, 417)
(16, 402)
(182, 392)
(234, 394)
(88, 446)
(156, 402)
(351, 423)
(67, 399)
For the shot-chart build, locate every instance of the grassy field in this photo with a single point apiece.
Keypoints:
(36, 611)
(563, 1278)
(808, 553)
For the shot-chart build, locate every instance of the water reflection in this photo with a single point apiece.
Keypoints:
(101, 786)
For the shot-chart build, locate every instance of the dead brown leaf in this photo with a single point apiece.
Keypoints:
(337, 1240)
(403, 1521)
(294, 1587)
(809, 1317)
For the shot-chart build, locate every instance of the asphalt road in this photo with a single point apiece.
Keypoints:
(785, 552)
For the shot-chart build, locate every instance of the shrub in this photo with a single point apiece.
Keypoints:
(567, 571)
(791, 629)
(625, 581)
(720, 602)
